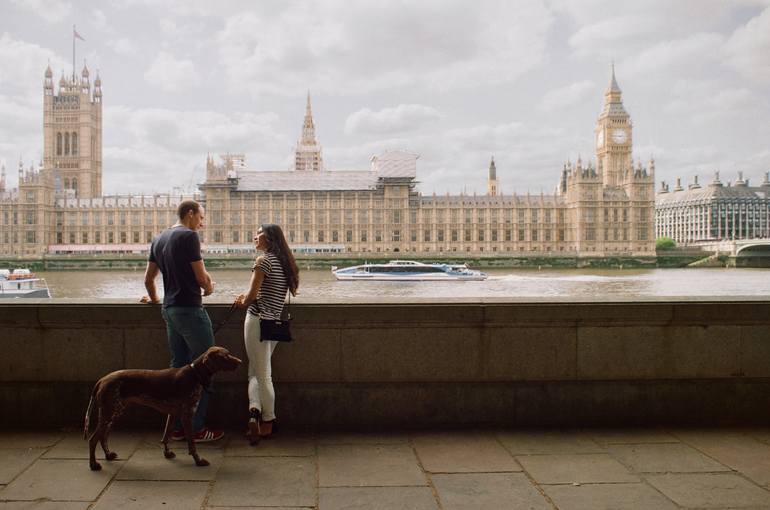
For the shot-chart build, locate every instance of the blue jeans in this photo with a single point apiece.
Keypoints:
(189, 336)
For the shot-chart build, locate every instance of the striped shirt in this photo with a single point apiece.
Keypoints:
(272, 293)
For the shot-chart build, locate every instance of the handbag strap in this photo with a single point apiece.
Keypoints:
(288, 308)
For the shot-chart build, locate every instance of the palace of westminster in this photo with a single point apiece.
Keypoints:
(596, 210)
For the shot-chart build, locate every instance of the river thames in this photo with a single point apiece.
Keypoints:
(546, 283)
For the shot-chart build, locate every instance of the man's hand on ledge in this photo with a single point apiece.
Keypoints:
(147, 300)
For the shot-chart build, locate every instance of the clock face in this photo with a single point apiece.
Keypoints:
(599, 139)
(619, 136)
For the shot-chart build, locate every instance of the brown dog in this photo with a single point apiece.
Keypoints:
(172, 391)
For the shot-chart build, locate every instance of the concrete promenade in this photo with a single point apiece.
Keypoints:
(589, 469)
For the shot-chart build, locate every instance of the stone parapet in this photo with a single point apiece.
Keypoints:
(421, 362)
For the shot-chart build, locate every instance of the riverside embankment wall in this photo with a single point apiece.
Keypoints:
(421, 362)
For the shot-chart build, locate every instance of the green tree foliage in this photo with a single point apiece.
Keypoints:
(664, 243)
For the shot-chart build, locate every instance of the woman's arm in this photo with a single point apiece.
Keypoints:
(257, 277)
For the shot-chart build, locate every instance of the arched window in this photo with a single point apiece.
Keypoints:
(74, 144)
(66, 183)
(66, 144)
(58, 144)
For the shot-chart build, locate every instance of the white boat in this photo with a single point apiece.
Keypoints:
(22, 283)
(408, 270)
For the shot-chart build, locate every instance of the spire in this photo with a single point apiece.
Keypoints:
(308, 153)
(613, 102)
(492, 170)
(613, 82)
(492, 180)
(308, 127)
(2, 177)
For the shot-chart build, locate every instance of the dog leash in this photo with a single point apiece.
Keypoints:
(230, 313)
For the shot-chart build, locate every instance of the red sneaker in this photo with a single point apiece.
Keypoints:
(178, 435)
(206, 435)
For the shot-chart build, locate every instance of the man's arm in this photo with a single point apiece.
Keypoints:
(149, 283)
(202, 277)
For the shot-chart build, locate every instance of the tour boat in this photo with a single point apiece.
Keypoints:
(22, 283)
(408, 270)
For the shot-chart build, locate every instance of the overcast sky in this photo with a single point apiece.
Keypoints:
(456, 82)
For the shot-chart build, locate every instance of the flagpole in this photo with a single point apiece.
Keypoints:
(73, 54)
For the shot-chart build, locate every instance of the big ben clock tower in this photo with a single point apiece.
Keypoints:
(613, 136)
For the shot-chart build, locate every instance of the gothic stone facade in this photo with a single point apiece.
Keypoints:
(606, 209)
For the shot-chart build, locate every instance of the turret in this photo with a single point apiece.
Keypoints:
(48, 81)
(766, 180)
(98, 88)
(2, 178)
(492, 179)
(85, 82)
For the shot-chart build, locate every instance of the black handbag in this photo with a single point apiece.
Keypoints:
(278, 330)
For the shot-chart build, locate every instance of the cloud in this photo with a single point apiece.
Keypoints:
(675, 57)
(569, 95)
(171, 74)
(124, 47)
(151, 149)
(748, 49)
(99, 19)
(404, 117)
(373, 46)
(49, 10)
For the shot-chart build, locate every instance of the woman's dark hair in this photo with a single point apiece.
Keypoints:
(277, 245)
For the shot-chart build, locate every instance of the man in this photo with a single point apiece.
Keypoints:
(176, 253)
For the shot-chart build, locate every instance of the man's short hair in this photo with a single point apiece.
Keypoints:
(187, 206)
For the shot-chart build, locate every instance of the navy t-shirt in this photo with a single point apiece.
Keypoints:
(173, 251)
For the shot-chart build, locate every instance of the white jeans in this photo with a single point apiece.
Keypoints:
(261, 392)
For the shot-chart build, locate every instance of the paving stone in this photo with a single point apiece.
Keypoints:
(150, 464)
(632, 436)
(364, 438)
(142, 495)
(463, 453)
(14, 439)
(488, 491)
(285, 445)
(664, 458)
(547, 442)
(45, 479)
(268, 481)
(610, 496)
(73, 446)
(735, 450)
(257, 507)
(44, 505)
(589, 468)
(710, 490)
(368, 465)
(377, 498)
(15, 461)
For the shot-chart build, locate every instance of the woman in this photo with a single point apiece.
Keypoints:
(273, 274)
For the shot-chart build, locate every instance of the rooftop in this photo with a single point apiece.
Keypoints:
(658, 469)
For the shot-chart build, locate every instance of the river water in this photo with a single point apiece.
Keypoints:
(533, 283)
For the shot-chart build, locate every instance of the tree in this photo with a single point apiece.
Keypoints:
(664, 243)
